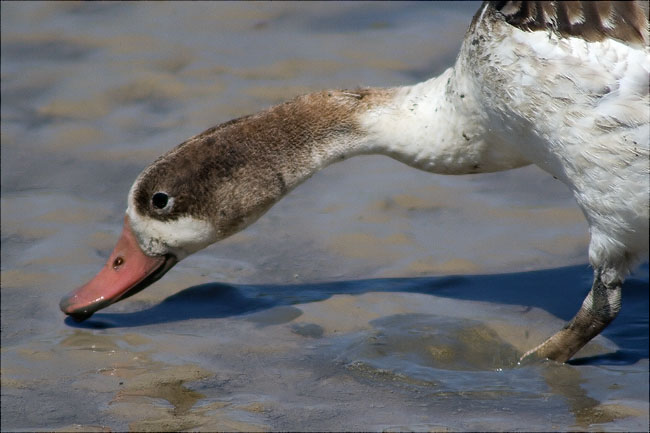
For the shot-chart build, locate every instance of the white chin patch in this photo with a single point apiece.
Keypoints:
(180, 237)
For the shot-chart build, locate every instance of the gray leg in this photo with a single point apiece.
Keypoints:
(600, 307)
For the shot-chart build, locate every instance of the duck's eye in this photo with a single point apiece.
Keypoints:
(159, 200)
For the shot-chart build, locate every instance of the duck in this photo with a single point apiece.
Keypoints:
(563, 85)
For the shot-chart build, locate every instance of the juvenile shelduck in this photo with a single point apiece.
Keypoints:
(563, 85)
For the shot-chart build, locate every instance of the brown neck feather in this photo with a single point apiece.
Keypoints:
(232, 173)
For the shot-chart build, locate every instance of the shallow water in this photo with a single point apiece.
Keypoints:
(373, 297)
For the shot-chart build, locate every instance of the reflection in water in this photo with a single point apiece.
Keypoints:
(565, 380)
(437, 343)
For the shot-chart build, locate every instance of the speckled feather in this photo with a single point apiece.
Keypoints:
(625, 21)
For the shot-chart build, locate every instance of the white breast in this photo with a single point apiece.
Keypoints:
(581, 111)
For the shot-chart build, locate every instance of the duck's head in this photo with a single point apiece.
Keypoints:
(159, 230)
(219, 182)
(200, 192)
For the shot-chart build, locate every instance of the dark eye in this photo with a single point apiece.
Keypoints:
(159, 200)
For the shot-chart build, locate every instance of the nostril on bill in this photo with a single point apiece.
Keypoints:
(119, 261)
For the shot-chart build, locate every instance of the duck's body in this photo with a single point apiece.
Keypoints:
(560, 87)
(580, 111)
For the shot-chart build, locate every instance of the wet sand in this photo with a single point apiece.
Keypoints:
(373, 297)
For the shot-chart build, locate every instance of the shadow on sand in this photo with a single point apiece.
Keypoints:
(559, 291)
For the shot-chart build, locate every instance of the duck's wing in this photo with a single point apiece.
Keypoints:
(625, 21)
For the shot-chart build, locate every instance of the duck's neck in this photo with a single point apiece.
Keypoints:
(250, 163)
(436, 126)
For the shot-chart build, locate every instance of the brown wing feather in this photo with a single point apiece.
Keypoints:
(626, 21)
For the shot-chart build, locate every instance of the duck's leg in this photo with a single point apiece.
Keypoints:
(600, 307)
